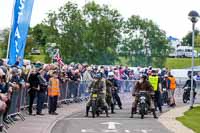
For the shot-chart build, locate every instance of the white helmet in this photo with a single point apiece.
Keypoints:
(110, 74)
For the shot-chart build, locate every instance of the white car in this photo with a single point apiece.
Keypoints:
(35, 51)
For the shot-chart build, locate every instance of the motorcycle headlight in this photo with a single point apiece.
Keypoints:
(142, 98)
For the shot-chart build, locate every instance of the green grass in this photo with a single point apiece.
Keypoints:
(171, 63)
(191, 119)
(42, 57)
(178, 63)
(35, 58)
(197, 49)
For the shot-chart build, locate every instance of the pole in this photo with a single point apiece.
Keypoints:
(192, 73)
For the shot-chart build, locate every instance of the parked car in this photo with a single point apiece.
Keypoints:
(35, 51)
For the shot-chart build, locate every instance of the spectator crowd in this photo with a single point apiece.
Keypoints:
(44, 80)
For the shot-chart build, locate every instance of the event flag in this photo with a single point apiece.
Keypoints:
(20, 25)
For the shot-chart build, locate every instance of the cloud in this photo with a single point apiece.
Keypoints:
(170, 15)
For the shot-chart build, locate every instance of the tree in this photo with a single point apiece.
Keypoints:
(103, 33)
(39, 33)
(187, 40)
(70, 24)
(4, 43)
(145, 42)
(91, 34)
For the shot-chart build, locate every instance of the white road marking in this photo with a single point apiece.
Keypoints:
(126, 131)
(87, 130)
(143, 131)
(110, 131)
(83, 130)
(111, 125)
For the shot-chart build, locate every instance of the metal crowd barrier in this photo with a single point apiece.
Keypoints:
(126, 85)
(71, 92)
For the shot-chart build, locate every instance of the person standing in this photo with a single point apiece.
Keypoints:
(155, 82)
(34, 87)
(53, 93)
(172, 86)
(41, 92)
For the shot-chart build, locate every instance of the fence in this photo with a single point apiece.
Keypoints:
(71, 92)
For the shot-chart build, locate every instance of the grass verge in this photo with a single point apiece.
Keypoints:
(179, 63)
(191, 119)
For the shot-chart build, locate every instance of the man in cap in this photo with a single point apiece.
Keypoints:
(53, 93)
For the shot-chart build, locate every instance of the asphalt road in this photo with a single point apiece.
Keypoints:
(116, 123)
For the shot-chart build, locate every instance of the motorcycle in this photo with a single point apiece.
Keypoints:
(186, 95)
(165, 97)
(143, 105)
(94, 104)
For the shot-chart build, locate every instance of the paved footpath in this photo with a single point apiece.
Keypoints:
(71, 120)
(169, 120)
(42, 124)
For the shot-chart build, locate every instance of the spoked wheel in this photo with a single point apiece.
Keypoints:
(142, 111)
(185, 98)
(93, 109)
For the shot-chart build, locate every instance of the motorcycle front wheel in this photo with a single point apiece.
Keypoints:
(93, 109)
(185, 97)
(142, 110)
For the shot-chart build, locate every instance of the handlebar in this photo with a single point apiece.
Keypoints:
(152, 94)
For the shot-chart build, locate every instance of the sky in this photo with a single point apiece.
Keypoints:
(170, 15)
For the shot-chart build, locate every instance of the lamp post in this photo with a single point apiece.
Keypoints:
(193, 16)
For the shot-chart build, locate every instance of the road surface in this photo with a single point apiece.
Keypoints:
(116, 123)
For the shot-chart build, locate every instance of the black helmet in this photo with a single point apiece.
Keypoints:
(144, 76)
(98, 75)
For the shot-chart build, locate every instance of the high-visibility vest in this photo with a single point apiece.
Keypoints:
(54, 90)
(172, 85)
(154, 82)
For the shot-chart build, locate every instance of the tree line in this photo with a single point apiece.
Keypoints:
(97, 34)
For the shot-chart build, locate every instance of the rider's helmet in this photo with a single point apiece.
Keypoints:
(144, 76)
(98, 75)
(111, 74)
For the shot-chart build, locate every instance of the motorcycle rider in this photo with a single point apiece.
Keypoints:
(143, 85)
(115, 89)
(109, 97)
(99, 85)
(111, 85)
(188, 84)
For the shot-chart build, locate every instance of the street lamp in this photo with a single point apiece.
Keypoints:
(193, 16)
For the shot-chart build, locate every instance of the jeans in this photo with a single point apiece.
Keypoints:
(117, 98)
(158, 100)
(40, 101)
(32, 95)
